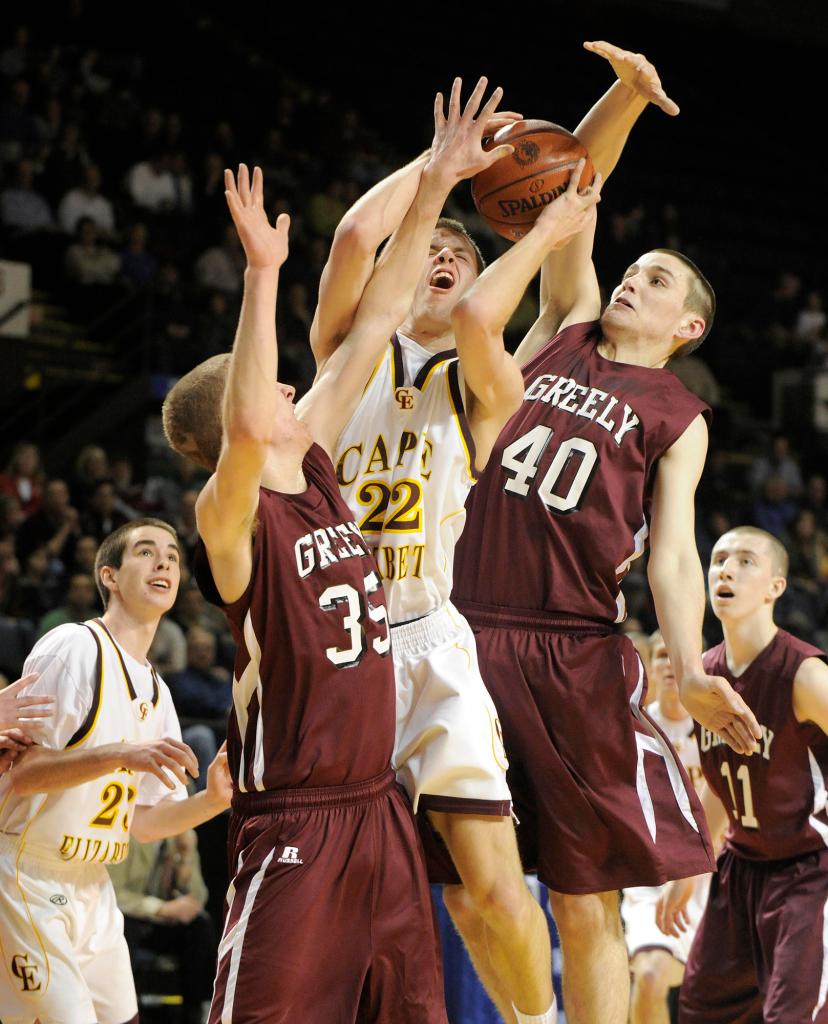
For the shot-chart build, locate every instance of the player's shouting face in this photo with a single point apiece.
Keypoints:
(450, 270)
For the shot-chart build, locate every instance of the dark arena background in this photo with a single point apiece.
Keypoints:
(127, 114)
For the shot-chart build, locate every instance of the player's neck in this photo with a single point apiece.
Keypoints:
(133, 633)
(633, 350)
(433, 335)
(746, 638)
(283, 472)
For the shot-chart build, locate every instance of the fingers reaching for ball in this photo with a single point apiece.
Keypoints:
(635, 72)
(457, 150)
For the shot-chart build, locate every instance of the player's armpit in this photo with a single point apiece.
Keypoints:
(810, 693)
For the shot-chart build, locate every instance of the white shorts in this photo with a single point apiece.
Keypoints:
(638, 912)
(448, 753)
(65, 959)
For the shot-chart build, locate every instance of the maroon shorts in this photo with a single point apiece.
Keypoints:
(601, 796)
(329, 917)
(760, 955)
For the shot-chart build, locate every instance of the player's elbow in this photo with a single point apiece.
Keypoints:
(472, 318)
(355, 236)
(141, 828)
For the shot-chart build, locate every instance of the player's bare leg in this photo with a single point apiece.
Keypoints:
(654, 973)
(596, 980)
(498, 918)
(596, 973)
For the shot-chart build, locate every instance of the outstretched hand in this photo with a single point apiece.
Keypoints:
(20, 710)
(265, 246)
(575, 208)
(457, 150)
(636, 72)
(713, 702)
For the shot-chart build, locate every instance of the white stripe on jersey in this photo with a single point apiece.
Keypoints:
(823, 981)
(820, 798)
(243, 688)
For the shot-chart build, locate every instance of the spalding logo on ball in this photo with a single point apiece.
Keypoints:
(511, 194)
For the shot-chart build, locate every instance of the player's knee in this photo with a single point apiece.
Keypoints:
(650, 986)
(499, 900)
(580, 919)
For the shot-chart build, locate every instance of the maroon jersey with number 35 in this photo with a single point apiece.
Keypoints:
(776, 798)
(313, 683)
(563, 506)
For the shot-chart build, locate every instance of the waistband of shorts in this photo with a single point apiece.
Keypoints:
(40, 863)
(426, 632)
(310, 797)
(497, 617)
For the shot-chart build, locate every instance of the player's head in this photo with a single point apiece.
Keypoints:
(665, 299)
(139, 565)
(192, 413)
(660, 669)
(453, 264)
(748, 573)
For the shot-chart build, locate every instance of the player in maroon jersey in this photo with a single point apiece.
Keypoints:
(761, 952)
(329, 916)
(607, 448)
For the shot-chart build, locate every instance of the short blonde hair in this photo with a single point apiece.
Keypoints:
(192, 411)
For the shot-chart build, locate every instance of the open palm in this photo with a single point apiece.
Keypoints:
(265, 246)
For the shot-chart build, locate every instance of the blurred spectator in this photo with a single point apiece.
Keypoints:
(15, 60)
(67, 163)
(91, 465)
(326, 209)
(211, 204)
(203, 689)
(35, 591)
(182, 182)
(23, 477)
(774, 511)
(216, 327)
(22, 208)
(151, 185)
(696, 376)
(810, 321)
(221, 266)
(81, 603)
(9, 572)
(129, 494)
(192, 610)
(18, 125)
(102, 516)
(816, 499)
(85, 200)
(94, 81)
(165, 490)
(11, 514)
(808, 551)
(185, 524)
(56, 525)
(161, 892)
(138, 267)
(83, 555)
(786, 300)
(780, 463)
(88, 260)
(169, 648)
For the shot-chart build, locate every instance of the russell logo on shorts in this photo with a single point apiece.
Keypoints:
(290, 855)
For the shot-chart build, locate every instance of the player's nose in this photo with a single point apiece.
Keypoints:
(445, 255)
(288, 390)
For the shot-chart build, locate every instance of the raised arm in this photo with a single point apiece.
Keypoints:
(677, 585)
(227, 505)
(456, 153)
(569, 289)
(367, 224)
(810, 693)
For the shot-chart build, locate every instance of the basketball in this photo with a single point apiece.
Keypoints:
(511, 194)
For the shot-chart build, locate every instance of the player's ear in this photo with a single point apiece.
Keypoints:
(777, 587)
(107, 577)
(691, 327)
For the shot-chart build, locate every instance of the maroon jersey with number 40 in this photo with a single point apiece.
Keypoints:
(563, 506)
(313, 682)
(776, 798)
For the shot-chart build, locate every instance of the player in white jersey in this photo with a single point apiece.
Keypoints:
(657, 960)
(109, 763)
(406, 461)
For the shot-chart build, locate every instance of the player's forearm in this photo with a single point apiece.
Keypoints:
(607, 126)
(42, 770)
(677, 586)
(250, 396)
(716, 815)
(378, 213)
(170, 817)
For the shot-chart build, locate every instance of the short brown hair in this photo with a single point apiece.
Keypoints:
(450, 224)
(111, 551)
(778, 551)
(192, 411)
(700, 299)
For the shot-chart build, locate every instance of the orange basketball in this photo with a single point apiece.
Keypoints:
(512, 192)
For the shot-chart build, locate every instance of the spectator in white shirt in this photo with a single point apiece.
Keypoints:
(86, 201)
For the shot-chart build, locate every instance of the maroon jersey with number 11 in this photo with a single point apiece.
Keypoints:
(313, 683)
(776, 797)
(563, 507)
